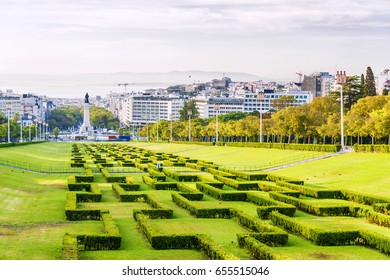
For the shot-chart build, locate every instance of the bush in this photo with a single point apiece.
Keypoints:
(258, 250)
(378, 218)
(318, 236)
(239, 185)
(363, 198)
(312, 208)
(219, 194)
(382, 208)
(311, 191)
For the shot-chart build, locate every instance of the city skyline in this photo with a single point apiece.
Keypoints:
(272, 39)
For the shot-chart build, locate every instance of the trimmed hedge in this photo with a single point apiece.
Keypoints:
(363, 198)
(268, 205)
(219, 194)
(200, 212)
(212, 250)
(221, 173)
(378, 218)
(375, 240)
(275, 178)
(250, 176)
(383, 208)
(70, 250)
(239, 185)
(312, 208)
(318, 236)
(258, 250)
(124, 196)
(311, 191)
(180, 177)
(361, 148)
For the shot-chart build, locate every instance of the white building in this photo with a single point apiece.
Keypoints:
(207, 106)
(142, 108)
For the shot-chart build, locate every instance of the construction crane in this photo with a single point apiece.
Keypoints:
(124, 84)
(300, 76)
(385, 72)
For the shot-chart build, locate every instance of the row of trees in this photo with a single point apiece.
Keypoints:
(67, 117)
(367, 121)
(62, 118)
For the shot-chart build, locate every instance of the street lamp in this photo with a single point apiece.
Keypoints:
(29, 127)
(40, 130)
(47, 130)
(36, 133)
(171, 118)
(21, 129)
(8, 107)
(341, 79)
(261, 98)
(189, 125)
(216, 108)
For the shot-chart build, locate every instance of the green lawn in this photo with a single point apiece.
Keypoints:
(239, 157)
(363, 172)
(33, 223)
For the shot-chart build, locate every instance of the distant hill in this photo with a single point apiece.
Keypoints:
(104, 83)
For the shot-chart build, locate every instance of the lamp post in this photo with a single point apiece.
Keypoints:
(29, 127)
(40, 130)
(8, 107)
(341, 79)
(189, 125)
(171, 118)
(216, 108)
(21, 129)
(47, 130)
(36, 133)
(261, 98)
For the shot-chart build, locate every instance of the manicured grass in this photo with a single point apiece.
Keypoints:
(240, 157)
(43, 157)
(363, 172)
(33, 223)
(301, 249)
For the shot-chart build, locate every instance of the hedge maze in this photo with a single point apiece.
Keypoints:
(178, 203)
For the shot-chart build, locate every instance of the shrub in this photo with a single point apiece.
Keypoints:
(219, 194)
(258, 250)
(311, 191)
(318, 236)
(239, 185)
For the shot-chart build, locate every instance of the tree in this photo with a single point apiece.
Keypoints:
(283, 102)
(100, 117)
(56, 132)
(189, 106)
(369, 83)
(65, 117)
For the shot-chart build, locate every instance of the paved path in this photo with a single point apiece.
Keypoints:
(347, 150)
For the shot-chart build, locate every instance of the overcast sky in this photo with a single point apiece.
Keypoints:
(268, 38)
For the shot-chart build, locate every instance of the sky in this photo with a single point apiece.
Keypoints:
(267, 38)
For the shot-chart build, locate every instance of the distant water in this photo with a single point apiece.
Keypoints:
(105, 83)
(74, 90)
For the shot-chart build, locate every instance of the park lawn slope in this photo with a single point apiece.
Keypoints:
(363, 172)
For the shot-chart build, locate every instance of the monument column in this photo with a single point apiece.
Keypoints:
(86, 128)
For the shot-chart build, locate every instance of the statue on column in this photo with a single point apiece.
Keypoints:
(86, 98)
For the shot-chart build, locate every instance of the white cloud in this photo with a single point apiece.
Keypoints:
(171, 34)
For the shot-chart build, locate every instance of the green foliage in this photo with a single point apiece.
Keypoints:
(311, 191)
(369, 83)
(200, 212)
(65, 117)
(318, 236)
(258, 250)
(378, 218)
(239, 185)
(318, 210)
(220, 194)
